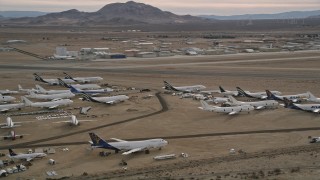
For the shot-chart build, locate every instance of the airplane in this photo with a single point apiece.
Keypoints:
(5, 99)
(13, 136)
(79, 86)
(44, 91)
(256, 104)
(73, 121)
(127, 146)
(8, 107)
(258, 95)
(294, 98)
(6, 92)
(315, 108)
(105, 100)
(51, 81)
(312, 98)
(27, 90)
(314, 139)
(9, 124)
(27, 157)
(230, 110)
(49, 104)
(184, 89)
(218, 100)
(51, 96)
(83, 79)
(228, 93)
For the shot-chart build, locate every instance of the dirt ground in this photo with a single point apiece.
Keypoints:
(275, 155)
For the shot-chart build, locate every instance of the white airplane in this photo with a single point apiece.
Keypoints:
(27, 90)
(49, 104)
(27, 157)
(255, 104)
(73, 121)
(13, 136)
(7, 91)
(83, 79)
(105, 100)
(5, 99)
(227, 92)
(218, 100)
(51, 81)
(258, 95)
(185, 89)
(44, 91)
(127, 146)
(294, 98)
(228, 110)
(314, 139)
(87, 91)
(51, 96)
(315, 108)
(312, 98)
(80, 86)
(9, 124)
(8, 107)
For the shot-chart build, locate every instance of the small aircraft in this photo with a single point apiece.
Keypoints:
(255, 104)
(6, 92)
(127, 146)
(312, 98)
(184, 89)
(27, 90)
(83, 79)
(51, 81)
(105, 100)
(9, 124)
(315, 108)
(294, 98)
(5, 99)
(80, 86)
(49, 104)
(27, 157)
(314, 139)
(8, 107)
(13, 136)
(51, 96)
(258, 95)
(73, 121)
(44, 91)
(229, 110)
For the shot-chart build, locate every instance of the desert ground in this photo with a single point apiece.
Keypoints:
(269, 144)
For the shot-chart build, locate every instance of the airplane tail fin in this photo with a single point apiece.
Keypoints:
(311, 96)
(67, 76)
(19, 87)
(270, 96)
(204, 105)
(63, 83)
(288, 103)
(168, 86)
(98, 142)
(87, 97)
(12, 153)
(241, 92)
(40, 88)
(26, 101)
(221, 89)
(232, 99)
(38, 78)
(74, 120)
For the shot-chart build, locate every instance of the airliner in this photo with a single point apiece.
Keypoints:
(312, 98)
(127, 146)
(105, 100)
(44, 91)
(83, 79)
(315, 108)
(27, 90)
(255, 104)
(6, 92)
(51, 81)
(13, 136)
(229, 110)
(80, 86)
(258, 95)
(8, 107)
(49, 104)
(51, 96)
(27, 157)
(5, 99)
(227, 92)
(73, 121)
(294, 98)
(185, 89)
(314, 139)
(218, 100)
(10, 124)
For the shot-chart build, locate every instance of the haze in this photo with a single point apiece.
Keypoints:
(212, 7)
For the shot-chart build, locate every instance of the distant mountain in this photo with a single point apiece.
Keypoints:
(115, 13)
(18, 14)
(285, 15)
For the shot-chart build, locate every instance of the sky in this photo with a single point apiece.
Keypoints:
(181, 7)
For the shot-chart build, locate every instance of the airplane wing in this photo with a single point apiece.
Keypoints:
(259, 107)
(110, 102)
(132, 151)
(316, 111)
(53, 107)
(233, 112)
(4, 110)
(119, 140)
(29, 159)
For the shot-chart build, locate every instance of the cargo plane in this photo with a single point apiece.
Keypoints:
(293, 98)
(256, 104)
(51, 81)
(27, 157)
(5, 99)
(229, 110)
(315, 108)
(51, 96)
(184, 89)
(49, 104)
(8, 107)
(258, 95)
(13, 136)
(105, 100)
(83, 79)
(73, 121)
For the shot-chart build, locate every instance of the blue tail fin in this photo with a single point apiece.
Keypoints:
(243, 93)
(169, 86)
(221, 89)
(12, 153)
(98, 142)
(271, 96)
(67, 76)
(38, 78)
(63, 83)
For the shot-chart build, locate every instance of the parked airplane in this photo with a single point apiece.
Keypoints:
(44, 91)
(185, 89)
(228, 93)
(218, 100)
(51, 96)
(312, 98)
(128, 146)
(51, 81)
(27, 90)
(9, 124)
(314, 139)
(294, 98)
(5, 99)
(229, 110)
(73, 121)
(259, 95)
(27, 157)
(106, 100)
(83, 79)
(80, 86)
(8, 107)
(255, 104)
(304, 107)
(13, 136)
(6, 92)
(49, 104)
